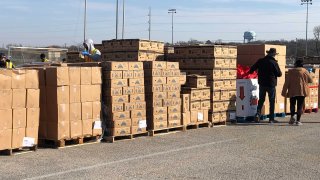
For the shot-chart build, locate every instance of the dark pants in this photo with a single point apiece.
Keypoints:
(299, 100)
(262, 97)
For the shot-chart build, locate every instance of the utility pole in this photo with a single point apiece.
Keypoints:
(172, 11)
(117, 17)
(85, 20)
(123, 18)
(307, 2)
(149, 23)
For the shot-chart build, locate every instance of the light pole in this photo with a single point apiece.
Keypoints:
(123, 18)
(85, 21)
(117, 17)
(307, 2)
(172, 11)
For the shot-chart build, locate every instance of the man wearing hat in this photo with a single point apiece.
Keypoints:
(268, 72)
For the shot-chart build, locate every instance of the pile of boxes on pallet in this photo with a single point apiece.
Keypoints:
(19, 108)
(250, 53)
(162, 83)
(218, 64)
(70, 103)
(311, 102)
(195, 100)
(124, 98)
(132, 50)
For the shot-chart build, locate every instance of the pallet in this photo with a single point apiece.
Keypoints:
(219, 124)
(166, 130)
(250, 119)
(113, 139)
(315, 110)
(198, 125)
(16, 151)
(76, 141)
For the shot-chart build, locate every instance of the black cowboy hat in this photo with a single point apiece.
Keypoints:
(272, 51)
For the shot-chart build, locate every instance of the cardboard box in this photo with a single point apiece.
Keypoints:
(118, 99)
(138, 113)
(87, 126)
(174, 109)
(75, 111)
(19, 97)
(116, 83)
(158, 110)
(140, 122)
(119, 107)
(119, 131)
(167, 102)
(138, 74)
(216, 95)
(173, 65)
(185, 102)
(32, 132)
(86, 93)
(112, 75)
(153, 73)
(6, 98)
(19, 118)
(183, 78)
(194, 106)
(139, 90)
(6, 119)
(18, 79)
(159, 125)
(115, 91)
(196, 81)
(216, 85)
(128, 90)
(173, 80)
(33, 117)
(17, 137)
(215, 117)
(74, 75)
(5, 139)
(155, 103)
(32, 79)
(135, 66)
(57, 113)
(97, 129)
(155, 81)
(115, 66)
(186, 118)
(96, 76)
(96, 92)
(174, 117)
(75, 129)
(118, 116)
(155, 65)
(205, 105)
(119, 123)
(56, 95)
(136, 82)
(86, 110)
(57, 76)
(5, 78)
(129, 106)
(96, 110)
(174, 123)
(205, 94)
(75, 93)
(173, 94)
(159, 117)
(127, 74)
(154, 88)
(176, 102)
(86, 75)
(140, 105)
(33, 98)
(138, 130)
(137, 97)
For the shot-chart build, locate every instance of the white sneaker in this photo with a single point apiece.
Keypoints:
(298, 123)
(292, 120)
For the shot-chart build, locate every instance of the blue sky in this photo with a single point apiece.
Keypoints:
(56, 22)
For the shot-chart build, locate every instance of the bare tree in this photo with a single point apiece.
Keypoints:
(316, 32)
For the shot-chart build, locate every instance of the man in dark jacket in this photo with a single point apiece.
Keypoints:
(268, 72)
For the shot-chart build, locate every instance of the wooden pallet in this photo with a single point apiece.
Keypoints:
(219, 124)
(198, 125)
(166, 130)
(113, 139)
(10, 152)
(68, 142)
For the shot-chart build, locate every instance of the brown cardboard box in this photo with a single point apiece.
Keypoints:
(75, 111)
(56, 95)
(138, 74)
(115, 91)
(216, 106)
(167, 102)
(173, 65)
(137, 97)
(127, 74)
(5, 79)
(176, 102)
(154, 88)
(156, 81)
(158, 110)
(17, 137)
(183, 78)
(129, 106)
(205, 94)
(185, 102)
(140, 105)
(167, 73)
(86, 75)
(119, 131)
(96, 77)
(159, 117)
(32, 132)
(119, 123)
(153, 73)
(75, 93)
(174, 117)
(118, 107)
(118, 116)
(19, 118)
(87, 127)
(115, 66)
(186, 118)
(128, 91)
(33, 98)
(174, 123)
(196, 81)
(32, 79)
(155, 65)
(195, 106)
(173, 80)
(86, 93)
(136, 82)
(5, 139)
(159, 125)
(137, 121)
(57, 113)
(138, 113)
(6, 99)
(216, 95)
(96, 92)
(75, 129)
(19, 97)
(97, 129)
(158, 95)
(112, 75)
(116, 83)
(18, 79)
(86, 110)
(57, 76)
(33, 117)
(138, 130)
(135, 66)
(74, 75)
(118, 99)
(205, 105)
(6, 119)
(139, 90)
(173, 94)
(96, 110)
(215, 117)
(174, 109)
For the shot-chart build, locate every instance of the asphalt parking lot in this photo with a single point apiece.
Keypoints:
(243, 151)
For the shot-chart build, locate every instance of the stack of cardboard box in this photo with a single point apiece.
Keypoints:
(218, 64)
(70, 103)
(19, 108)
(124, 98)
(250, 53)
(311, 102)
(73, 57)
(195, 100)
(162, 83)
(132, 50)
